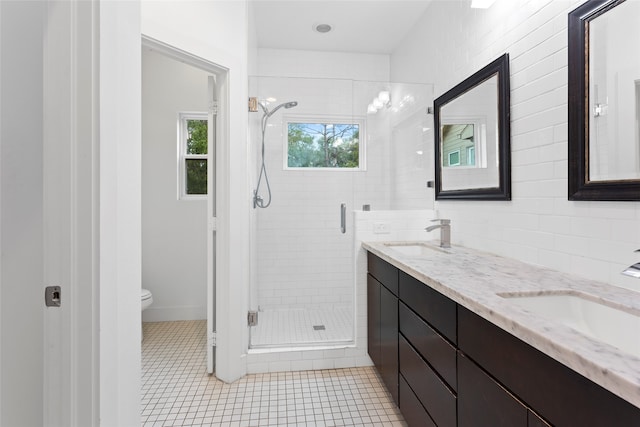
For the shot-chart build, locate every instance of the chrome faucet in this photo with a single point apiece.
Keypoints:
(445, 231)
(633, 270)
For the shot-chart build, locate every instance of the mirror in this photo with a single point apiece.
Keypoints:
(604, 101)
(472, 144)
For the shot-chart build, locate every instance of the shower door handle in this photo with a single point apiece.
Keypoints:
(343, 218)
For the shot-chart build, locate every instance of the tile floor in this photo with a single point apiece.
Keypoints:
(176, 391)
(295, 327)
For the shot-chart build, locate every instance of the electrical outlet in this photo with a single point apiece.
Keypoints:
(381, 228)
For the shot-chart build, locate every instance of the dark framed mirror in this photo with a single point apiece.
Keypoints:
(604, 101)
(472, 138)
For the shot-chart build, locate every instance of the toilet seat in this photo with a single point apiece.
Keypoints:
(146, 298)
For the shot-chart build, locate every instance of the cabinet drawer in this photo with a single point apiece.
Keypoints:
(431, 391)
(438, 310)
(412, 410)
(440, 354)
(482, 402)
(556, 392)
(384, 272)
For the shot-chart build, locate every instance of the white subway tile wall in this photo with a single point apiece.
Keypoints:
(539, 226)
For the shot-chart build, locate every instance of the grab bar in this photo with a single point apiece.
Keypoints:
(343, 218)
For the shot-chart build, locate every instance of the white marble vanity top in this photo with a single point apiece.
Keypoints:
(476, 280)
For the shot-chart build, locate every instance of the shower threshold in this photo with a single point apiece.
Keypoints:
(303, 328)
(301, 347)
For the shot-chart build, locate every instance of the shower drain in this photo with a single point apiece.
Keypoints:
(318, 327)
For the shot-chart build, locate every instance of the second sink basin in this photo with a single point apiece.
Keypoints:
(604, 322)
(415, 248)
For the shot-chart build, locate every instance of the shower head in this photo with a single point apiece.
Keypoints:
(284, 104)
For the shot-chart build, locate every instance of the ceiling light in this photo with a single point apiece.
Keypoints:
(481, 4)
(322, 28)
(371, 109)
(378, 103)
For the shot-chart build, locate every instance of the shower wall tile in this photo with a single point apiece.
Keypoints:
(301, 258)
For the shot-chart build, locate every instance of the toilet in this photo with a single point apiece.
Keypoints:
(146, 301)
(146, 298)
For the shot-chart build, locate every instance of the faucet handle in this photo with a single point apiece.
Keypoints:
(448, 221)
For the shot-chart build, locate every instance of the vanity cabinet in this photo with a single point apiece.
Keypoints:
(557, 393)
(454, 368)
(382, 321)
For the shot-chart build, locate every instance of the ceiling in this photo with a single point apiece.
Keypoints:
(363, 26)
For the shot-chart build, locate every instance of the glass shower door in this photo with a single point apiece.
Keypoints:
(304, 284)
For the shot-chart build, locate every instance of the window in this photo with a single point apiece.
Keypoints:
(471, 156)
(193, 155)
(454, 158)
(325, 144)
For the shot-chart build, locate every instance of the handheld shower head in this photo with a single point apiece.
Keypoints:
(257, 199)
(284, 104)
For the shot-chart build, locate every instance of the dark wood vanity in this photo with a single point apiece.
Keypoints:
(447, 366)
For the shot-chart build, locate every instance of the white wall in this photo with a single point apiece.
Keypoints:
(539, 226)
(119, 216)
(174, 231)
(21, 213)
(317, 64)
(216, 31)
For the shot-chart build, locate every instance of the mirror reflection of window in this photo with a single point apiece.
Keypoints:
(454, 158)
(474, 115)
(458, 145)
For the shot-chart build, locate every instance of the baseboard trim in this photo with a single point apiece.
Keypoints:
(170, 314)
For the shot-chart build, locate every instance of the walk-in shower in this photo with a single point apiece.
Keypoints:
(258, 201)
(303, 284)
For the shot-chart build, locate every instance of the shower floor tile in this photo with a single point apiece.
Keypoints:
(176, 391)
(302, 327)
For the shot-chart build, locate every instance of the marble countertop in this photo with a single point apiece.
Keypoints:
(476, 279)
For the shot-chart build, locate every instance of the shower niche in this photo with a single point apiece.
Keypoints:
(315, 145)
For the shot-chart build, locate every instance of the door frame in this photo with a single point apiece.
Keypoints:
(70, 163)
(219, 102)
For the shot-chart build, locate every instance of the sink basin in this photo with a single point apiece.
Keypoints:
(415, 249)
(600, 320)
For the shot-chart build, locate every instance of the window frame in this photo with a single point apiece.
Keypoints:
(471, 152)
(322, 119)
(183, 134)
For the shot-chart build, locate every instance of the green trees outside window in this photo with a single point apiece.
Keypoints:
(323, 145)
(194, 155)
